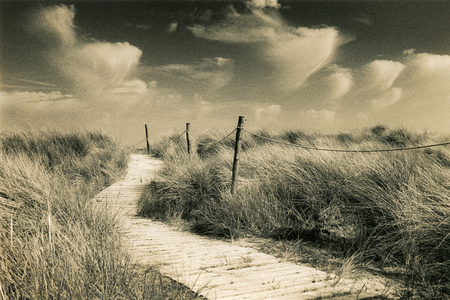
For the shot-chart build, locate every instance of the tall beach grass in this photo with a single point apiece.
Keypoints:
(391, 209)
(53, 244)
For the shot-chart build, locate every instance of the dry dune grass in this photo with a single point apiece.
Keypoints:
(53, 244)
(389, 209)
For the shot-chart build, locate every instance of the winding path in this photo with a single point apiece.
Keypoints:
(215, 269)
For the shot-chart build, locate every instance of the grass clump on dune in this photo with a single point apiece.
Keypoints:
(53, 243)
(392, 209)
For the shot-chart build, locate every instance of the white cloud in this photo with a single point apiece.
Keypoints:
(325, 89)
(134, 86)
(409, 52)
(27, 97)
(172, 27)
(209, 74)
(87, 69)
(234, 33)
(414, 93)
(294, 54)
(297, 57)
(425, 84)
(54, 25)
(386, 99)
(263, 3)
(364, 20)
(90, 69)
(378, 75)
(339, 83)
(426, 69)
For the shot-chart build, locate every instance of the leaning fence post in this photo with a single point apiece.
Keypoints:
(237, 149)
(146, 138)
(188, 140)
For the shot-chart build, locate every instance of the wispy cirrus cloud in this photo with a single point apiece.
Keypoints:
(35, 82)
(135, 86)
(28, 97)
(172, 27)
(207, 75)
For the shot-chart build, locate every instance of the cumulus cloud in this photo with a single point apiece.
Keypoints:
(326, 89)
(298, 57)
(86, 69)
(414, 93)
(294, 54)
(378, 75)
(426, 69)
(368, 89)
(386, 99)
(338, 83)
(54, 25)
(425, 89)
(89, 69)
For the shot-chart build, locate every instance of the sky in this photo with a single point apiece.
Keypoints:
(317, 66)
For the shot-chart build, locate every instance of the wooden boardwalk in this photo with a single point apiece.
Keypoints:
(215, 269)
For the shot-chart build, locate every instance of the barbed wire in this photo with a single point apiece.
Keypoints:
(344, 150)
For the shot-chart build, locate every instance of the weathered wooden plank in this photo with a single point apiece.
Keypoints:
(216, 269)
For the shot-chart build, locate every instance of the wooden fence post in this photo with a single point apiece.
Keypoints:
(237, 149)
(146, 138)
(188, 141)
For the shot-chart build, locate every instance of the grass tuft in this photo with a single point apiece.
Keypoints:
(389, 209)
(53, 243)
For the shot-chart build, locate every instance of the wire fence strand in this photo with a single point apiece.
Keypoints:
(136, 144)
(345, 150)
(194, 164)
(181, 134)
(215, 143)
(297, 146)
